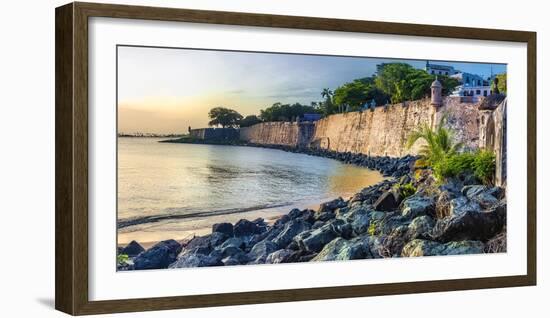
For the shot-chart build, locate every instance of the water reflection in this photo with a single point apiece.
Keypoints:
(160, 179)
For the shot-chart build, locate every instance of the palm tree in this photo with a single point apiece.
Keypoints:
(326, 93)
(327, 105)
(439, 143)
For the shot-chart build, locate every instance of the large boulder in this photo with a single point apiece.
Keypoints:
(340, 249)
(361, 223)
(485, 196)
(315, 240)
(417, 205)
(471, 191)
(199, 244)
(471, 225)
(260, 251)
(353, 213)
(237, 259)
(462, 205)
(225, 228)
(324, 216)
(196, 260)
(419, 247)
(420, 226)
(388, 201)
(233, 241)
(281, 221)
(306, 215)
(332, 205)
(246, 228)
(217, 238)
(290, 230)
(132, 249)
(280, 256)
(159, 256)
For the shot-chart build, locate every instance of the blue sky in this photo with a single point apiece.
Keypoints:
(167, 90)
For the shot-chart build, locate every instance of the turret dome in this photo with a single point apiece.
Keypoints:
(436, 83)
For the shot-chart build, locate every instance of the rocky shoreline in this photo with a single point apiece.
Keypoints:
(407, 215)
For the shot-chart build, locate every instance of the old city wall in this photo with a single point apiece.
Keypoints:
(380, 132)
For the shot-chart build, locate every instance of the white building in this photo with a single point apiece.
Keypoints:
(471, 92)
(436, 69)
(471, 79)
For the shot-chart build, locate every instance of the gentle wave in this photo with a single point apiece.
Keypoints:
(163, 217)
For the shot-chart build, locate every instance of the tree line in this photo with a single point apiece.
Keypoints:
(393, 83)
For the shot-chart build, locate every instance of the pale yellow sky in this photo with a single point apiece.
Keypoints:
(165, 90)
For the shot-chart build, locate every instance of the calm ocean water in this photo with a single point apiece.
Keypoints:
(170, 190)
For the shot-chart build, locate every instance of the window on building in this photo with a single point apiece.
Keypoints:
(478, 82)
(485, 93)
(478, 92)
(433, 72)
(446, 73)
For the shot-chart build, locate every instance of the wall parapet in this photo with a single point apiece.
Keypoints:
(381, 132)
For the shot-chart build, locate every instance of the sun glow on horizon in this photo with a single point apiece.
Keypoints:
(163, 90)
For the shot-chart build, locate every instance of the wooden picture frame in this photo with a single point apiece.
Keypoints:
(71, 90)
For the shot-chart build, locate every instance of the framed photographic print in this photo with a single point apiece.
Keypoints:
(211, 158)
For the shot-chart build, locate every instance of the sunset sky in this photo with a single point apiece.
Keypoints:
(164, 90)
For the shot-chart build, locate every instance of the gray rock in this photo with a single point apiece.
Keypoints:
(196, 260)
(361, 223)
(199, 242)
(233, 241)
(159, 256)
(486, 200)
(315, 240)
(294, 214)
(472, 190)
(420, 226)
(471, 225)
(280, 256)
(132, 249)
(389, 201)
(462, 205)
(217, 238)
(353, 213)
(342, 211)
(290, 230)
(317, 224)
(324, 216)
(344, 230)
(225, 252)
(306, 215)
(419, 247)
(237, 259)
(464, 247)
(417, 205)
(340, 249)
(246, 228)
(332, 205)
(282, 220)
(225, 228)
(260, 251)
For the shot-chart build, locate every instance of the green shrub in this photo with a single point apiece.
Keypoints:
(406, 190)
(122, 259)
(373, 228)
(484, 166)
(481, 164)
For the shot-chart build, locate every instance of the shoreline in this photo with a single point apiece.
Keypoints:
(460, 216)
(269, 213)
